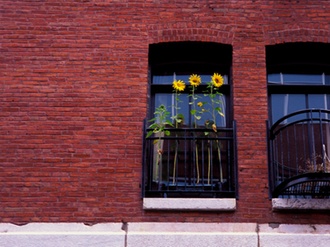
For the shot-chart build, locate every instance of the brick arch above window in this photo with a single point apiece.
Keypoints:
(297, 35)
(175, 32)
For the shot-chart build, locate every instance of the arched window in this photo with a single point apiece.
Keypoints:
(299, 119)
(190, 151)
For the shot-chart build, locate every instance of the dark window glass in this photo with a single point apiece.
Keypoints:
(195, 157)
(179, 60)
(299, 104)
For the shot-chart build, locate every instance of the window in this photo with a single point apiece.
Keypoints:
(299, 122)
(177, 61)
(291, 92)
(193, 158)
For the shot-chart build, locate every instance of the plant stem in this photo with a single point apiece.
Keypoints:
(159, 160)
(217, 142)
(175, 160)
(195, 125)
(220, 163)
(176, 141)
(209, 165)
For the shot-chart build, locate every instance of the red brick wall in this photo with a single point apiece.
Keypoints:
(73, 96)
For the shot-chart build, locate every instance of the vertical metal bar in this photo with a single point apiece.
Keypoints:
(213, 161)
(322, 140)
(167, 175)
(143, 186)
(235, 159)
(193, 144)
(282, 158)
(311, 138)
(150, 163)
(270, 160)
(296, 155)
(288, 158)
(210, 164)
(177, 165)
(203, 161)
(275, 162)
(304, 143)
(228, 165)
(185, 161)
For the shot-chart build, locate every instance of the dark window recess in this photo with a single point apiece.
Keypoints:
(193, 160)
(299, 122)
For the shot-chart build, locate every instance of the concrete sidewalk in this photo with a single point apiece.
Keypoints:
(163, 235)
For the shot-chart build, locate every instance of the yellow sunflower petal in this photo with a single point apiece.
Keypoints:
(179, 85)
(195, 80)
(217, 80)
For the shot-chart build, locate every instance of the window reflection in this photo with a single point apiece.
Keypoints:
(185, 108)
(298, 79)
(286, 103)
(168, 79)
(168, 99)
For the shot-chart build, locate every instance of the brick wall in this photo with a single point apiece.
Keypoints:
(74, 91)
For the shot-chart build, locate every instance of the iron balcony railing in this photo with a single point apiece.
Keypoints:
(299, 145)
(190, 162)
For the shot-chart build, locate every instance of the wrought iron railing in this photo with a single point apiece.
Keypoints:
(299, 145)
(190, 162)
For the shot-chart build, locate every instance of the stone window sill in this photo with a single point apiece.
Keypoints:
(300, 204)
(196, 204)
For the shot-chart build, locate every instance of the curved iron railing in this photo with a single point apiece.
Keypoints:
(299, 144)
(315, 185)
(190, 162)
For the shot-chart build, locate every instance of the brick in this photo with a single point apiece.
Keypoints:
(74, 93)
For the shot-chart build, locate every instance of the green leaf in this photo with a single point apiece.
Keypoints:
(149, 133)
(153, 126)
(152, 120)
(198, 117)
(167, 132)
(168, 123)
(192, 112)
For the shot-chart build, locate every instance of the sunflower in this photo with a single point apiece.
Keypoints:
(200, 104)
(217, 80)
(195, 80)
(179, 85)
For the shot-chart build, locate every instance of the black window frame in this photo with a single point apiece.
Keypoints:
(299, 58)
(187, 58)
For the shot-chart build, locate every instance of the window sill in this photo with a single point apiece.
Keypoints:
(196, 204)
(300, 204)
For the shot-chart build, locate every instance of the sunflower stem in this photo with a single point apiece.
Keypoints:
(209, 165)
(195, 126)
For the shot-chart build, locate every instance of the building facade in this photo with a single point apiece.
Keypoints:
(80, 81)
